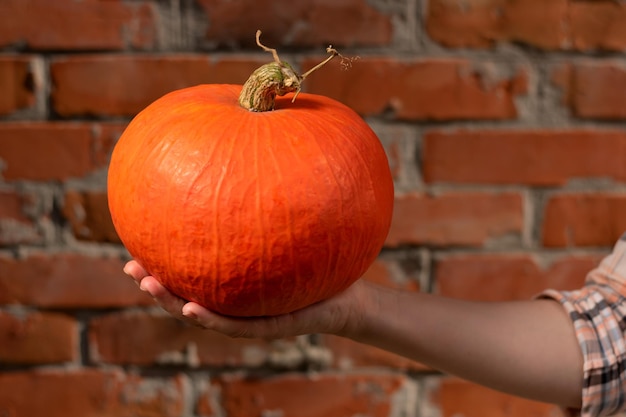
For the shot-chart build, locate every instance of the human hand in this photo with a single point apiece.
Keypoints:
(342, 315)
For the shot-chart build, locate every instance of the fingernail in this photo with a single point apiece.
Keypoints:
(190, 315)
(142, 287)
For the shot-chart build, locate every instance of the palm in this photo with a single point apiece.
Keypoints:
(337, 315)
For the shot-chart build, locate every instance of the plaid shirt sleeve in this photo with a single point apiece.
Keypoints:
(598, 312)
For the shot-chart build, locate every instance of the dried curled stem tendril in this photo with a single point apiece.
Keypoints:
(345, 63)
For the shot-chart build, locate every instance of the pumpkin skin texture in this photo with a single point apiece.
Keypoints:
(250, 213)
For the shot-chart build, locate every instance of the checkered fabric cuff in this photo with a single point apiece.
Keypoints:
(598, 312)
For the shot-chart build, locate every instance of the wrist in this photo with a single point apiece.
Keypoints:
(364, 312)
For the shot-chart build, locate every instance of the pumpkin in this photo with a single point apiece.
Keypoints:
(249, 203)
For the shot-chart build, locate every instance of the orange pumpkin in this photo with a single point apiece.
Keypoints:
(250, 213)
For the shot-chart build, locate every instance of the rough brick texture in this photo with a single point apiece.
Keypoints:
(88, 214)
(22, 215)
(67, 280)
(536, 158)
(145, 339)
(504, 126)
(553, 25)
(17, 83)
(23, 335)
(592, 89)
(428, 89)
(89, 392)
(590, 219)
(462, 218)
(345, 23)
(505, 277)
(454, 396)
(83, 25)
(122, 85)
(342, 395)
(79, 149)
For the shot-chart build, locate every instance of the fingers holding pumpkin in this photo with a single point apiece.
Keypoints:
(135, 271)
(249, 328)
(187, 311)
(322, 317)
(168, 301)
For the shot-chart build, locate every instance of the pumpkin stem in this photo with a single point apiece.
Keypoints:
(274, 79)
(265, 48)
(333, 53)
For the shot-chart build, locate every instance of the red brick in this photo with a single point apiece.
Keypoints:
(89, 392)
(597, 25)
(321, 395)
(400, 143)
(392, 149)
(553, 25)
(67, 280)
(122, 85)
(16, 226)
(536, 157)
(106, 135)
(454, 397)
(50, 151)
(591, 89)
(83, 25)
(140, 338)
(585, 219)
(434, 89)
(455, 218)
(37, 338)
(480, 24)
(17, 83)
(88, 215)
(158, 397)
(503, 277)
(207, 404)
(284, 22)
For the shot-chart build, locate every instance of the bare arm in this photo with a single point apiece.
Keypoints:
(524, 348)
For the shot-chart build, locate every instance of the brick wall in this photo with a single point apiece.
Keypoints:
(503, 121)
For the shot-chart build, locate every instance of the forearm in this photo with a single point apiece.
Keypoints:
(524, 348)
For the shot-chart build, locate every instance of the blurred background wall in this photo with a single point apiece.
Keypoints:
(504, 125)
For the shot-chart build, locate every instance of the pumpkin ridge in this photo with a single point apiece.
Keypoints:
(187, 196)
(143, 155)
(170, 197)
(322, 125)
(217, 272)
(261, 223)
(337, 185)
(332, 131)
(289, 214)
